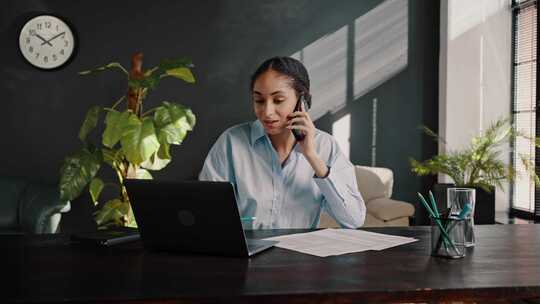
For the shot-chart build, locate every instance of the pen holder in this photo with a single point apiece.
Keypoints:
(450, 243)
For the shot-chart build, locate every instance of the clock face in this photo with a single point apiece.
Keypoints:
(46, 42)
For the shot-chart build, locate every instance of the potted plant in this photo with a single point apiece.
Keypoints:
(477, 166)
(133, 142)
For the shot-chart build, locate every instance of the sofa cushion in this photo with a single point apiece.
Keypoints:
(11, 190)
(372, 221)
(387, 209)
(30, 207)
(374, 182)
(38, 204)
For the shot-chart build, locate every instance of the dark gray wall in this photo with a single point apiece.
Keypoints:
(42, 110)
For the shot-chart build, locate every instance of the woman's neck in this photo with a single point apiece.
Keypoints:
(282, 142)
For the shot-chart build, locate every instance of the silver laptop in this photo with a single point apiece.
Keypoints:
(191, 217)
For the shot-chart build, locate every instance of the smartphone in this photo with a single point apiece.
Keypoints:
(299, 135)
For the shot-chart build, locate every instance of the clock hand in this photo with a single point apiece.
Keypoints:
(43, 39)
(54, 37)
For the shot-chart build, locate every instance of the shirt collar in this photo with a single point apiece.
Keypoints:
(257, 131)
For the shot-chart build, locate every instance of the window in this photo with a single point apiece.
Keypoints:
(525, 196)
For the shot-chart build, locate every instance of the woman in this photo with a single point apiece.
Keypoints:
(279, 181)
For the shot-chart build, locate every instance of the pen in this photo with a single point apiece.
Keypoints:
(465, 211)
(433, 204)
(446, 237)
(252, 218)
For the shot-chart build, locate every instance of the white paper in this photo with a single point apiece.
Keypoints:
(328, 242)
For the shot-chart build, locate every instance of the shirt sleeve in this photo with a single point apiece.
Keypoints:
(341, 198)
(217, 166)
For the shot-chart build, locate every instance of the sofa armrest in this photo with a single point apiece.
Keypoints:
(374, 182)
(41, 208)
(387, 209)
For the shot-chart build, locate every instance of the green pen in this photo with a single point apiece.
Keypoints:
(433, 204)
(252, 218)
(446, 237)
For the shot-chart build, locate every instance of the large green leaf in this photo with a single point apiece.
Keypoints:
(138, 173)
(139, 140)
(181, 73)
(111, 156)
(115, 123)
(90, 122)
(178, 68)
(155, 163)
(164, 152)
(143, 174)
(172, 134)
(112, 65)
(77, 171)
(173, 122)
(168, 64)
(190, 118)
(177, 112)
(112, 212)
(149, 82)
(96, 185)
(158, 160)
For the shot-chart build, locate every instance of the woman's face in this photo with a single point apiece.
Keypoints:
(273, 100)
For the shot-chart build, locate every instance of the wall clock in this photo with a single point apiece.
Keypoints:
(47, 42)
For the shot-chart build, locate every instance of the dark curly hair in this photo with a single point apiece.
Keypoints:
(291, 68)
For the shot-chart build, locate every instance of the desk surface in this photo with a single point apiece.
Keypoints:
(504, 264)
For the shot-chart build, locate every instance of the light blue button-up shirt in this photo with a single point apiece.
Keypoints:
(288, 195)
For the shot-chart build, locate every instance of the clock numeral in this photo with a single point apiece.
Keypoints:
(57, 28)
(46, 59)
(39, 26)
(54, 57)
(31, 49)
(32, 32)
(66, 43)
(37, 55)
(27, 40)
(48, 24)
(62, 52)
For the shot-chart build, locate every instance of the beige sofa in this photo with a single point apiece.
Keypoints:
(375, 184)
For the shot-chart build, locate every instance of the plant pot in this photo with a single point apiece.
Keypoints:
(484, 209)
(484, 213)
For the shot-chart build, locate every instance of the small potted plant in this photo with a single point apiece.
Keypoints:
(134, 142)
(477, 166)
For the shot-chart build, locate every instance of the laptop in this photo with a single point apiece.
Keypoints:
(191, 217)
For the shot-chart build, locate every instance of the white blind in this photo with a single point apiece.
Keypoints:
(524, 99)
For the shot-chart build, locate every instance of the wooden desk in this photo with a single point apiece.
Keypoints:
(505, 264)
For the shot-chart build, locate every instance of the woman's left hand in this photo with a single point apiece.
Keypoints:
(303, 122)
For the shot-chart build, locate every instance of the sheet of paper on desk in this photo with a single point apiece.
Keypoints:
(328, 242)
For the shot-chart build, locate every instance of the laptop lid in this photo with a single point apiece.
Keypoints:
(188, 216)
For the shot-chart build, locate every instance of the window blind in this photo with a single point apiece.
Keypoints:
(524, 105)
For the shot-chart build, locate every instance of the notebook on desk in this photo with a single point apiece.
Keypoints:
(191, 217)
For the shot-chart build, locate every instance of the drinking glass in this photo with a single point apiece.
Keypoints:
(457, 198)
